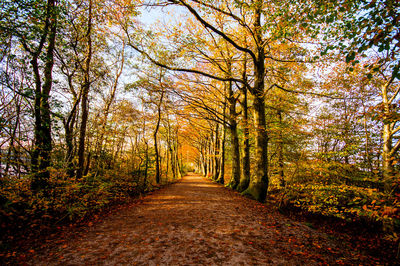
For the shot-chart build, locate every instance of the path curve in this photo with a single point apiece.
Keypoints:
(194, 222)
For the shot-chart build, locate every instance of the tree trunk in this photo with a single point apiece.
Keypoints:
(202, 160)
(171, 150)
(235, 148)
(69, 124)
(41, 156)
(245, 177)
(210, 156)
(87, 167)
(235, 153)
(217, 151)
(85, 94)
(173, 169)
(221, 176)
(155, 138)
(389, 130)
(258, 186)
(146, 167)
(387, 160)
(178, 165)
(44, 104)
(280, 151)
(221, 172)
(167, 154)
(205, 158)
(157, 161)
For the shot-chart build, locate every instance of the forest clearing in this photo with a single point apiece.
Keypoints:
(285, 114)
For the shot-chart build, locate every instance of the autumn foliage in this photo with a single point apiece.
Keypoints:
(66, 199)
(293, 102)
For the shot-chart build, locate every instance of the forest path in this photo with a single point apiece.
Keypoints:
(195, 222)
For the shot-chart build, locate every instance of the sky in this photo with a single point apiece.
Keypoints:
(149, 16)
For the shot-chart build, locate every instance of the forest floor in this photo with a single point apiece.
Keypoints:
(196, 222)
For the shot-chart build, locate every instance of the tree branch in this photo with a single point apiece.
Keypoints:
(211, 27)
(395, 149)
(229, 14)
(310, 93)
(195, 71)
(394, 95)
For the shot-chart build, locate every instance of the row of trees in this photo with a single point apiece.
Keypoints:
(261, 88)
(69, 97)
(280, 84)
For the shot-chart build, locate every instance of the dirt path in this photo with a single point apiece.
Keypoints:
(196, 222)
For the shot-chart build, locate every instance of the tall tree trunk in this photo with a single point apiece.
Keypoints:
(235, 148)
(44, 104)
(178, 164)
(38, 119)
(221, 175)
(221, 172)
(217, 151)
(258, 186)
(173, 164)
(205, 158)
(69, 125)
(211, 152)
(167, 154)
(155, 137)
(202, 161)
(210, 155)
(389, 130)
(280, 151)
(245, 177)
(41, 157)
(85, 94)
(170, 149)
(387, 160)
(146, 166)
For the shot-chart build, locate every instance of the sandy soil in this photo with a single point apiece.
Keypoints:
(196, 222)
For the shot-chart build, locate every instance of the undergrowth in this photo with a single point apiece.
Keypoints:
(66, 199)
(339, 192)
